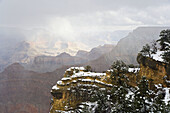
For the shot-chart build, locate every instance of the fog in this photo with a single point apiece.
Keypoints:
(81, 21)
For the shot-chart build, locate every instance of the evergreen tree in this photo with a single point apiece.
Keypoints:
(118, 68)
(103, 101)
(158, 103)
(146, 50)
(166, 56)
(121, 102)
(142, 97)
(88, 68)
(153, 47)
(164, 42)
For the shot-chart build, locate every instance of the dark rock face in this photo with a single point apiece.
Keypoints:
(168, 70)
(23, 91)
(153, 69)
(146, 61)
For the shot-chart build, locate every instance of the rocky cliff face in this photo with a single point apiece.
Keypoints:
(154, 70)
(66, 93)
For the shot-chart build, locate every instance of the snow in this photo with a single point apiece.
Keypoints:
(100, 82)
(96, 81)
(157, 56)
(55, 87)
(135, 70)
(60, 111)
(81, 106)
(167, 43)
(129, 94)
(69, 69)
(74, 81)
(102, 89)
(85, 74)
(158, 86)
(66, 78)
(77, 68)
(167, 95)
(91, 106)
(168, 81)
(88, 85)
(59, 82)
(110, 70)
(86, 80)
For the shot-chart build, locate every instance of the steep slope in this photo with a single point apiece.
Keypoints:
(153, 69)
(128, 47)
(95, 52)
(23, 91)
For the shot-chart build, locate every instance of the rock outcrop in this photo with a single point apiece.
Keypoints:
(155, 70)
(66, 93)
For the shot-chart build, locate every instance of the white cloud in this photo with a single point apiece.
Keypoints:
(87, 21)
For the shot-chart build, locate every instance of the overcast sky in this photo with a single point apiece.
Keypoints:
(69, 19)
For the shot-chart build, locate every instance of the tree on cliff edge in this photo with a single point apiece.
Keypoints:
(146, 50)
(164, 42)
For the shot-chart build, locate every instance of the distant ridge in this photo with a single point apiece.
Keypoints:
(128, 47)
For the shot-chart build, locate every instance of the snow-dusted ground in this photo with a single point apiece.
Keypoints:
(135, 70)
(167, 95)
(78, 68)
(157, 56)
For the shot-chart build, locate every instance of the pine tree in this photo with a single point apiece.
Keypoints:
(153, 47)
(118, 68)
(164, 42)
(141, 97)
(88, 68)
(103, 101)
(121, 102)
(158, 103)
(166, 56)
(146, 50)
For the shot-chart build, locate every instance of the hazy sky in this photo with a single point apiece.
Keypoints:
(70, 19)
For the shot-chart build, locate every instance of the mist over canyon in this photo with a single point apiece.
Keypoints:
(40, 40)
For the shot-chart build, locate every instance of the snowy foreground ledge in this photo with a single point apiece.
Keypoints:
(87, 80)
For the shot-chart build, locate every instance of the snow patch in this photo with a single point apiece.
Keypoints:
(167, 95)
(66, 78)
(157, 56)
(135, 70)
(55, 87)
